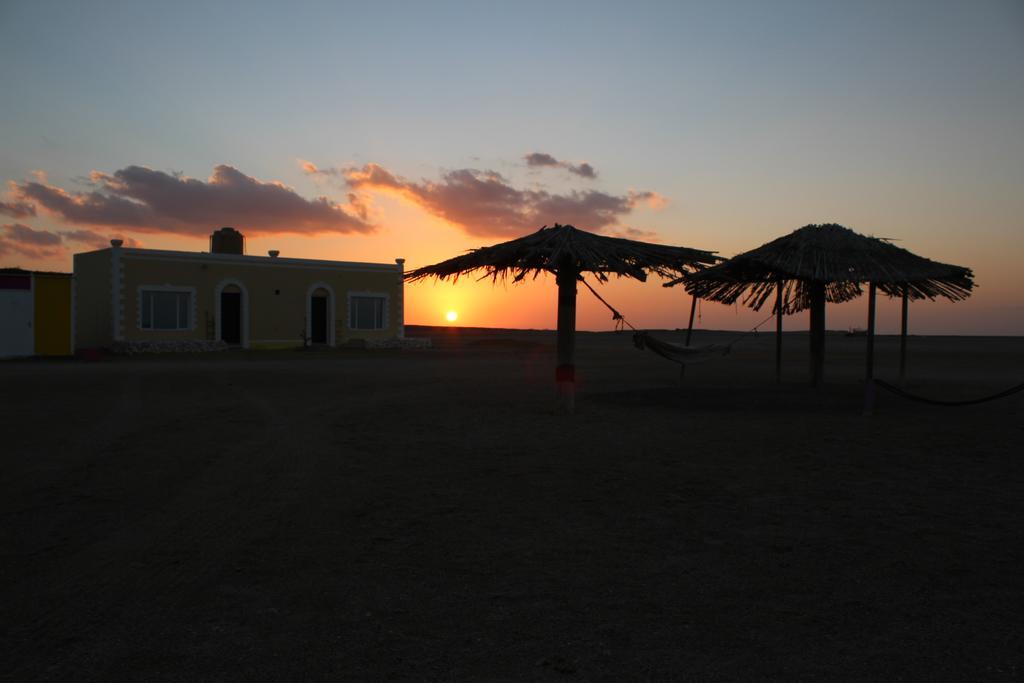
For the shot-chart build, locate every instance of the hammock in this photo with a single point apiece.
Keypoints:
(684, 355)
(677, 353)
(680, 353)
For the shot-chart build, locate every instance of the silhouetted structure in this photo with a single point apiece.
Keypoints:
(136, 299)
(227, 241)
(35, 313)
(566, 252)
(820, 263)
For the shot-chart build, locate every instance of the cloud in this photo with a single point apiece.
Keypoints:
(636, 234)
(96, 240)
(309, 168)
(584, 169)
(21, 239)
(139, 198)
(485, 203)
(17, 209)
(651, 199)
(359, 205)
(18, 238)
(23, 234)
(543, 159)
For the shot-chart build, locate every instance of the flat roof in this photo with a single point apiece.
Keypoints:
(22, 271)
(250, 259)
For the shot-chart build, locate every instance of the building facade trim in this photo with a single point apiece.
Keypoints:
(386, 315)
(242, 259)
(226, 282)
(332, 312)
(193, 314)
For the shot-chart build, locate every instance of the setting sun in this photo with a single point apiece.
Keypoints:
(451, 316)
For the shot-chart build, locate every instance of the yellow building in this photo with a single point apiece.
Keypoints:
(35, 313)
(149, 299)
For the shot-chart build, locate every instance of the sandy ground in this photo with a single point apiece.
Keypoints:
(426, 515)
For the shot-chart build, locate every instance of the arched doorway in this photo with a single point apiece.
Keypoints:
(232, 313)
(319, 316)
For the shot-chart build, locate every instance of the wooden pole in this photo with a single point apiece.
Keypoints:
(869, 368)
(689, 334)
(903, 335)
(565, 371)
(778, 334)
(689, 328)
(817, 292)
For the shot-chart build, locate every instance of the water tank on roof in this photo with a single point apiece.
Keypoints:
(227, 241)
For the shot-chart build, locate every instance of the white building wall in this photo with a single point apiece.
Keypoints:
(16, 312)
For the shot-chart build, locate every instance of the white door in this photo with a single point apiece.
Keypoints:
(16, 337)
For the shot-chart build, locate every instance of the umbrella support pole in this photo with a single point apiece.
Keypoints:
(689, 334)
(903, 337)
(817, 292)
(689, 327)
(869, 369)
(565, 372)
(778, 335)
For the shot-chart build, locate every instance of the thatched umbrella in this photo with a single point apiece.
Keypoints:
(820, 263)
(566, 252)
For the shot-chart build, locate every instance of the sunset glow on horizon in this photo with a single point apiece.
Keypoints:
(725, 127)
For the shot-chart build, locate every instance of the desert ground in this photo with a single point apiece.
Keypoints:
(426, 514)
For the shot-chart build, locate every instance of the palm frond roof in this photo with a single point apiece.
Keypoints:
(832, 255)
(550, 249)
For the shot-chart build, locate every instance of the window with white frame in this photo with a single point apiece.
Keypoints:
(366, 312)
(165, 310)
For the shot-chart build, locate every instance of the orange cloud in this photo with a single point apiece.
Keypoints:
(651, 199)
(309, 168)
(635, 234)
(485, 203)
(39, 245)
(97, 240)
(140, 198)
(18, 238)
(17, 209)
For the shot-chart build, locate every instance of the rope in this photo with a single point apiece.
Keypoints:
(621, 323)
(936, 402)
(752, 329)
(643, 340)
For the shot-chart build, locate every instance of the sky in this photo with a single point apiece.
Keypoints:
(376, 131)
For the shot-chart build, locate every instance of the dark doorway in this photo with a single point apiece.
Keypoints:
(318, 320)
(231, 317)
